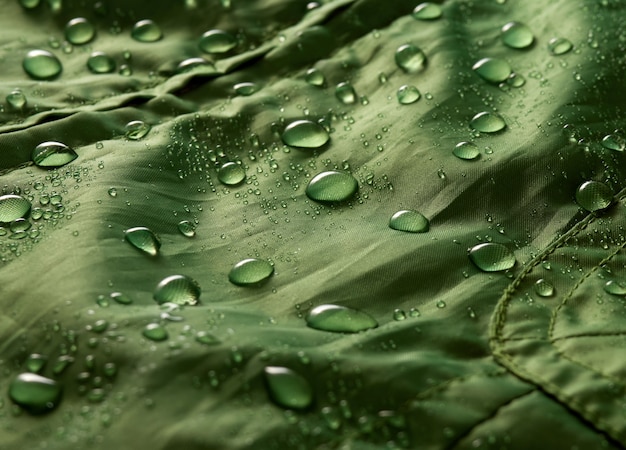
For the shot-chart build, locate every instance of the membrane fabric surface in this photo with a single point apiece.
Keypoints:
(342, 224)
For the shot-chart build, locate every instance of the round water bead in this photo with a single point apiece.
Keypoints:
(408, 94)
(179, 289)
(427, 11)
(339, 319)
(466, 150)
(517, 35)
(492, 69)
(13, 207)
(187, 228)
(615, 287)
(315, 77)
(410, 58)
(594, 196)
(332, 186)
(16, 99)
(487, 122)
(52, 154)
(79, 31)
(144, 239)
(251, 271)
(136, 129)
(345, 93)
(492, 257)
(614, 142)
(41, 65)
(409, 221)
(100, 62)
(305, 134)
(30, 4)
(231, 174)
(146, 31)
(287, 388)
(544, 288)
(34, 393)
(559, 46)
(217, 41)
(155, 332)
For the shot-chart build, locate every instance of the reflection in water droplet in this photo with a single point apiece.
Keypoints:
(492, 257)
(594, 196)
(155, 332)
(315, 77)
(615, 287)
(245, 89)
(559, 46)
(79, 31)
(250, 272)
(231, 174)
(13, 207)
(408, 94)
(52, 154)
(143, 239)
(466, 150)
(487, 122)
(146, 31)
(136, 129)
(409, 221)
(345, 93)
(410, 58)
(100, 62)
(187, 228)
(544, 288)
(339, 319)
(217, 41)
(41, 65)
(332, 186)
(288, 388)
(34, 393)
(305, 134)
(517, 35)
(16, 99)
(492, 69)
(178, 289)
(427, 11)
(614, 142)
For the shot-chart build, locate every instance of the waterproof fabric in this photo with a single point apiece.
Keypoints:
(480, 360)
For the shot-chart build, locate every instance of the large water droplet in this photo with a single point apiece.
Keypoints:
(492, 69)
(614, 142)
(100, 62)
(487, 122)
(408, 94)
(345, 93)
(136, 129)
(427, 11)
(146, 31)
(410, 58)
(594, 196)
(79, 31)
(517, 35)
(53, 154)
(143, 239)
(492, 257)
(315, 77)
(41, 65)
(250, 271)
(231, 174)
(217, 41)
(559, 46)
(339, 319)
(155, 332)
(544, 288)
(16, 99)
(331, 186)
(409, 221)
(35, 393)
(466, 150)
(615, 287)
(288, 388)
(178, 289)
(13, 207)
(305, 134)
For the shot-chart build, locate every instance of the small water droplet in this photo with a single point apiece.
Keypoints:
(136, 129)
(231, 174)
(190, 64)
(492, 257)
(544, 288)
(42, 65)
(409, 221)
(251, 271)
(487, 122)
(217, 41)
(206, 338)
(35, 362)
(79, 31)
(441, 304)
(16, 99)
(53, 154)
(516, 80)
(178, 289)
(13, 207)
(146, 31)
(315, 77)
(517, 35)
(493, 70)
(414, 312)
(112, 192)
(121, 298)
(471, 312)
(427, 11)
(410, 58)
(332, 186)
(246, 88)
(30, 4)
(408, 94)
(614, 142)
(34, 393)
(287, 388)
(559, 46)
(143, 239)
(187, 228)
(345, 93)
(399, 314)
(615, 287)
(100, 62)
(339, 319)
(594, 196)
(305, 134)
(155, 332)
(466, 150)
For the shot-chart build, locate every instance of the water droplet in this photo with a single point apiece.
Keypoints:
(408, 94)
(53, 154)
(231, 174)
(615, 287)
(339, 319)
(516, 80)
(559, 46)
(492, 69)
(79, 31)
(305, 134)
(187, 228)
(178, 289)
(100, 62)
(206, 338)
(143, 239)
(112, 192)
(399, 314)
(614, 142)
(20, 225)
(35, 362)
(30, 4)
(16, 99)
(594, 196)
(441, 304)
(466, 150)
(517, 35)
(315, 77)
(136, 129)
(217, 41)
(409, 221)
(155, 332)
(410, 58)
(34, 393)
(287, 388)
(250, 271)
(492, 257)
(345, 93)
(13, 207)
(121, 298)
(487, 122)
(146, 31)
(427, 11)
(544, 288)
(245, 89)
(192, 63)
(332, 186)
(41, 65)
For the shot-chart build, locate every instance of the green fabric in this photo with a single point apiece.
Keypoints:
(487, 363)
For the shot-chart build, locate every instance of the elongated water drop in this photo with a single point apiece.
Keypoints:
(245, 89)
(179, 289)
(615, 287)
(143, 239)
(559, 46)
(100, 62)
(315, 77)
(121, 298)
(517, 35)
(410, 58)
(332, 186)
(594, 196)
(614, 142)
(466, 150)
(287, 388)
(409, 221)
(231, 174)
(427, 11)
(13, 207)
(487, 122)
(146, 31)
(408, 94)
(217, 41)
(79, 31)
(155, 332)
(492, 257)
(251, 271)
(52, 154)
(136, 129)
(42, 65)
(339, 319)
(345, 93)
(305, 134)
(544, 288)
(34, 393)
(492, 69)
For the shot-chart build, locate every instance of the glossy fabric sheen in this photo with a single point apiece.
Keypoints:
(488, 363)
